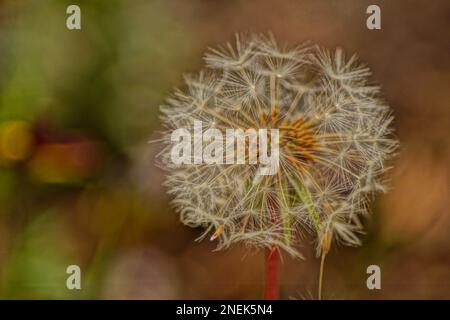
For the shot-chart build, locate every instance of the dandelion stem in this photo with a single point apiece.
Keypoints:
(322, 262)
(271, 290)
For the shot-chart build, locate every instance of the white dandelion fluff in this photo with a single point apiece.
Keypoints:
(334, 140)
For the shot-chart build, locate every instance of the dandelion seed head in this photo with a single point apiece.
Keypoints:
(335, 139)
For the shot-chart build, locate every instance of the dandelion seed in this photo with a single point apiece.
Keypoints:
(217, 233)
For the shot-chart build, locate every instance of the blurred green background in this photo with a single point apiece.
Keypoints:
(78, 184)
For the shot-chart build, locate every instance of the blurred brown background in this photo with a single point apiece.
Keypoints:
(78, 183)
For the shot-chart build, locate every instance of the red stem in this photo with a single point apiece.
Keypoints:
(271, 290)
